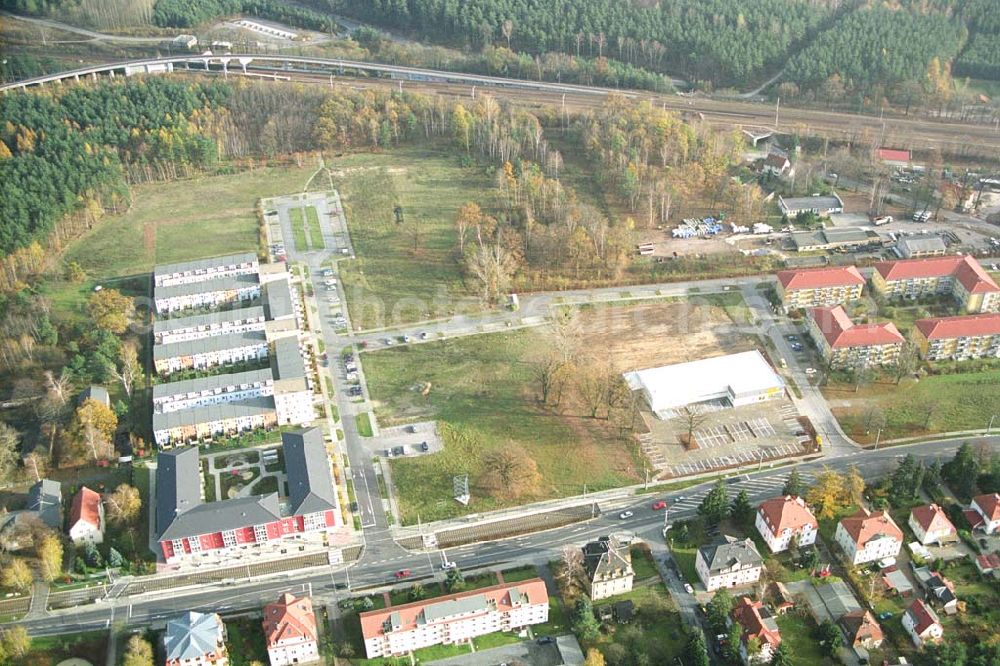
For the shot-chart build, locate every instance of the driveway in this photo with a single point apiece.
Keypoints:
(527, 652)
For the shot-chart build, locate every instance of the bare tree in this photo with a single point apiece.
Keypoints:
(509, 472)
(550, 372)
(129, 368)
(692, 419)
(507, 29)
(572, 574)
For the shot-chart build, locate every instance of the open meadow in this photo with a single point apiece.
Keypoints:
(483, 393)
(406, 267)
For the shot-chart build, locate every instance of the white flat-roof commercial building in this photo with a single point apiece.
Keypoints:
(739, 379)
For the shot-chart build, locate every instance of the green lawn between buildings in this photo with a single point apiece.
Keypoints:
(483, 395)
(298, 229)
(934, 404)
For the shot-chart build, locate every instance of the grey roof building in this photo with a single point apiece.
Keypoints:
(193, 636)
(727, 552)
(912, 247)
(178, 485)
(310, 485)
(95, 392)
(287, 363)
(838, 599)
(211, 285)
(211, 319)
(45, 499)
(214, 344)
(181, 513)
(210, 384)
(222, 411)
(206, 267)
(278, 299)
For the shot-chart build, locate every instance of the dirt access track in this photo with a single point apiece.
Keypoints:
(646, 335)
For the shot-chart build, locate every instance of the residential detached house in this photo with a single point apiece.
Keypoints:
(930, 524)
(608, 564)
(960, 277)
(861, 629)
(988, 565)
(938, 590)
(758, 623)
(454, 619)
(781, 519)
(190, 529)
(776, 164)
(868, 536)
(195, 639)
(958, 338)
(45, 500)
(987, 510)
(86, 518)
(844, 344)
(728, 562)
(816, 287)
(922, 624)
(290, 631)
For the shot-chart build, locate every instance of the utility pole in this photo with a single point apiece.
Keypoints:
(878, 436)
(777, 107)
(990, 426)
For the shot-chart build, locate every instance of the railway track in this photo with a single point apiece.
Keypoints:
(951, 139)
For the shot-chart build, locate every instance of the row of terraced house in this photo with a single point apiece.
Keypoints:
(215, 313)
(823, 292)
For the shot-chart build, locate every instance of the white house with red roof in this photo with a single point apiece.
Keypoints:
(781, 519)
(758, 622)
(455, 618)
(290, 631)
(988, 509)
(844, 344)
(930, 524)
(814, 287)
(958, 338)
(922, 624)
(868, 536)
(961, 277)
(86, 518)
(988, 565)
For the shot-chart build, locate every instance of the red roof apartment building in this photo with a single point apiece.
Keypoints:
(961, 277)
(819, 286)
(930, 524)
(868, 536)
(958, 338)
(844, 344)
(455, 618)
(290, 631)
(781, 519)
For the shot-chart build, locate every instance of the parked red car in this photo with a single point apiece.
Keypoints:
(659, 504)
(403, 573)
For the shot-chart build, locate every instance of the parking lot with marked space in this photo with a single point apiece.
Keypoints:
(724, 437)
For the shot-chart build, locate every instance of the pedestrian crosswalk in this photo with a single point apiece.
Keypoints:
(755, 486)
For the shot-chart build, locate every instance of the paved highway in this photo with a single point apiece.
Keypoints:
(331, 583)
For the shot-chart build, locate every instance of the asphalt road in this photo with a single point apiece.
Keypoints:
(330, 583)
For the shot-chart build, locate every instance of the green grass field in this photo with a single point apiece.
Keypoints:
(483, 394)
(405, 272)
(940, 403)
(797, 633)
(298, 229)
(315, 231)
(364, 424)
(169, 222)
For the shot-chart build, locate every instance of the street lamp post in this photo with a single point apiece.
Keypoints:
(878, 436)
(990, 426)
